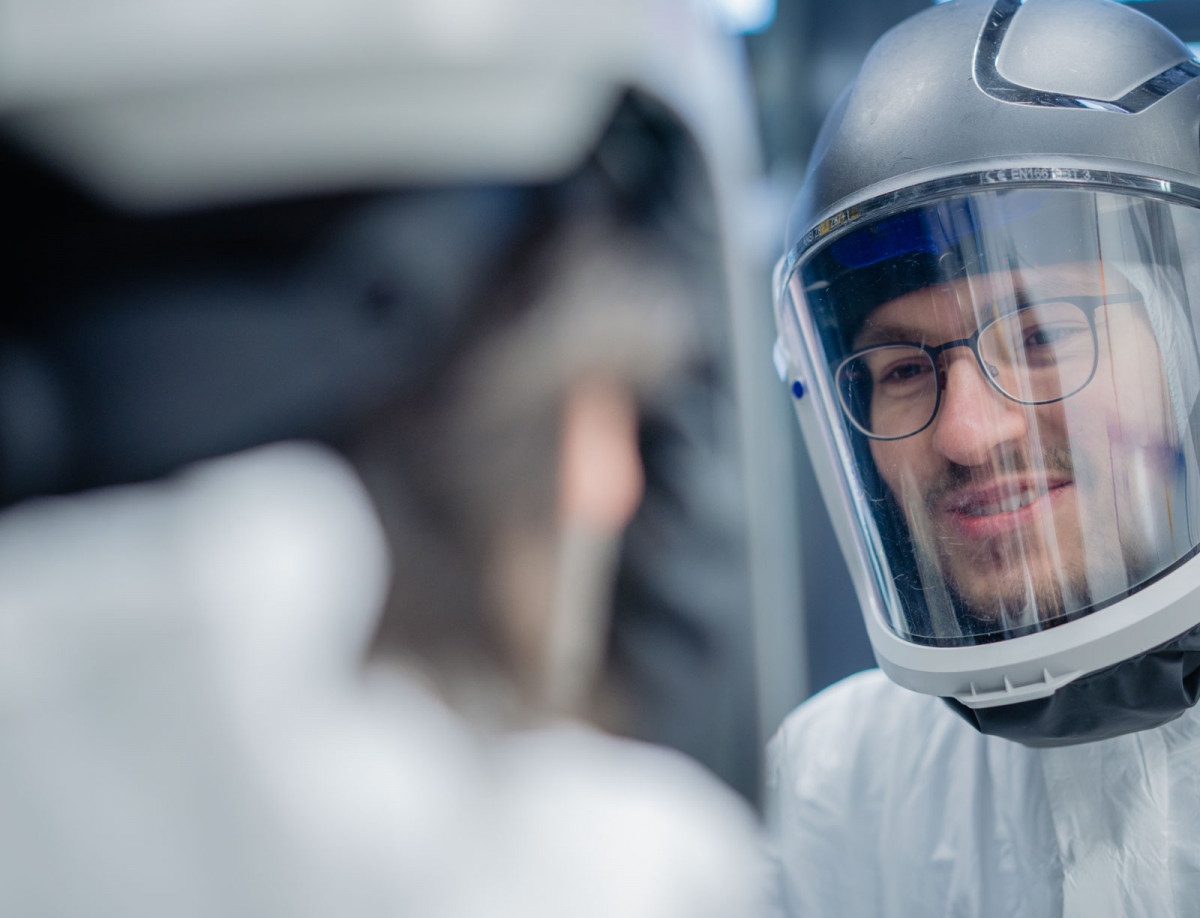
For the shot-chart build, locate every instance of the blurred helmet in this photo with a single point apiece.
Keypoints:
(986, 316)
(177, 169)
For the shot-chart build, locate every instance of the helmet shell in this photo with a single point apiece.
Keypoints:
(967, 84)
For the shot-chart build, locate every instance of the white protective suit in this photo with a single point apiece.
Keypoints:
(888, 804)
(186, 730)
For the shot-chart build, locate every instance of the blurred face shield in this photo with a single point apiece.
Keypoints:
(1009, 378)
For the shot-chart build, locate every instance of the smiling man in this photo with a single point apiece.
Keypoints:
(987, 317)
(974, 437)
(1003, 383)
(996, 406)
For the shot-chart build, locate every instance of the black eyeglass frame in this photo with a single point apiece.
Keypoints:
(1086, 303)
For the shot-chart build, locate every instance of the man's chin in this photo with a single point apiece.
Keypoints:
(1002, 602)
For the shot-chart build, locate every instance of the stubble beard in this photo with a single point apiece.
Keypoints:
(1020, 579)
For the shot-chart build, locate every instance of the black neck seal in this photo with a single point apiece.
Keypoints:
(1137, 694)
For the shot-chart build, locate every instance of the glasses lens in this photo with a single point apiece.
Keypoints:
(1040, 353)
(889, 391)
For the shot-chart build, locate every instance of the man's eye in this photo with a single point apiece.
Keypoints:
(1045, 335)
(901, 373)
(1052, 337)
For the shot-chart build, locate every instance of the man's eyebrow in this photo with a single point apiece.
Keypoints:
(886, 334)
(1002, 302)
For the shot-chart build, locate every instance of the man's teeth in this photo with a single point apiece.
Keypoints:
(1003, 505)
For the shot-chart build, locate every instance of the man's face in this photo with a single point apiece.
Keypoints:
(1030, 511)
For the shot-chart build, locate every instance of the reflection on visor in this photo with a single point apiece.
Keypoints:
(1016, 374)
(931, 231)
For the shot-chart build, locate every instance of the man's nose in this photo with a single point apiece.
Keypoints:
(973, 417)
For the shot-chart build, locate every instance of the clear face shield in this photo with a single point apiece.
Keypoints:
(1011, 377)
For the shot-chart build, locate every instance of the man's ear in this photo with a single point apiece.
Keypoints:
(601, 479)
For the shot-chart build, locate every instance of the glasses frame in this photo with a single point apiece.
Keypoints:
(1086, 303)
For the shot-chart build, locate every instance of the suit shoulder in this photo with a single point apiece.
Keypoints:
(863, 719)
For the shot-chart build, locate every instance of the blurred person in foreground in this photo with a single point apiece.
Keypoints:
(328, 333)
(988, 320)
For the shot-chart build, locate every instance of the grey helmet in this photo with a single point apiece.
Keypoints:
(987, 320)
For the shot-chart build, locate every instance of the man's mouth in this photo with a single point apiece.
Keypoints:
(979, 512)
(1002, 504)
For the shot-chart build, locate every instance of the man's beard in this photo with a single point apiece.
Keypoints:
(1014, 582)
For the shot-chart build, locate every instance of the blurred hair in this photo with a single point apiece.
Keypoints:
(597, 288)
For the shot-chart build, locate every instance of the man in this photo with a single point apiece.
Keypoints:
(987, 320)
(327, 334)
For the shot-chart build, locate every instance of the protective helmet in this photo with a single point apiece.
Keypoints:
(987, 318)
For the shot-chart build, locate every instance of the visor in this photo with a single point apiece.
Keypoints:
(1009, 378)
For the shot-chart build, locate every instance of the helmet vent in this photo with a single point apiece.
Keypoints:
(1070, 43)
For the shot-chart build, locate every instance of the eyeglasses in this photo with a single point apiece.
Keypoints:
(1037, 354)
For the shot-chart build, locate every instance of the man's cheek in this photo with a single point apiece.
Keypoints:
(1123, 469)
(1148, 495)
(1130, 387)
(901, 466)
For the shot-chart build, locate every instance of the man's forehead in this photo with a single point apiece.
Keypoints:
(956, 308)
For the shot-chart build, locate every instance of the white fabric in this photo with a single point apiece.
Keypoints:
(885, 803)
(185, 730)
